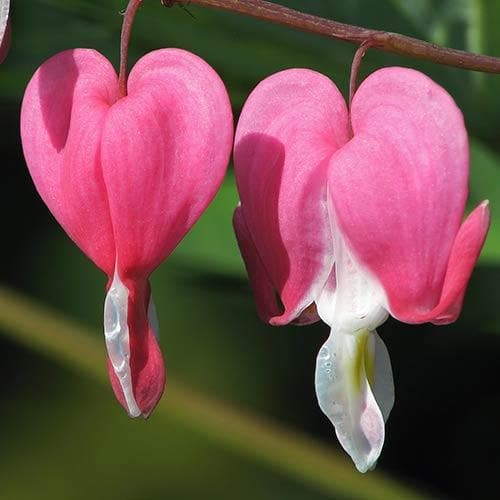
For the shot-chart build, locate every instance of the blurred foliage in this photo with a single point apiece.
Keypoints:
(71, 440)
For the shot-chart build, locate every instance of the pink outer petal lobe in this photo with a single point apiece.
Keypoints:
(62, 115)
(464, 255)
(262, 287)
(399, 186)
(165, 149)
(290, 126)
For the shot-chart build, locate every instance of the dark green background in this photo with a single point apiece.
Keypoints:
(63, 437)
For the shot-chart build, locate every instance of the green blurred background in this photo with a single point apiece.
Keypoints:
(63, 436)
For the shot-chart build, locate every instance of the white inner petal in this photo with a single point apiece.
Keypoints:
(345, 370)
(351, 300)
(354, 382)
(117, 339)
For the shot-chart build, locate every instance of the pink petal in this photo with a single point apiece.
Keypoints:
(165, 149)
(288, 130)
(268, 305)
(265, 297)
(464, 254)
(62, 116)
(399, 186)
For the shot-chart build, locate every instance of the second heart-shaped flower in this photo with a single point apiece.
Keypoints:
(352, 217)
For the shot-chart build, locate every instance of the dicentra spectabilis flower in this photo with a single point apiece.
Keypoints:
(127, 178)
(355, 226)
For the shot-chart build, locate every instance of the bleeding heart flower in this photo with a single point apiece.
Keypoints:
(355, 227)
(127, 178)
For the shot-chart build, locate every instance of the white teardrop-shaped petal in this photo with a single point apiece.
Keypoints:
(344, 369)
(354, 382)
(117, 339)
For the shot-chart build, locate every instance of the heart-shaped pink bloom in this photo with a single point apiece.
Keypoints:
(355, 226)
(127, 178)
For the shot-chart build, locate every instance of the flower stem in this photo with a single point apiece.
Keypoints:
(356, 63)
(382, 40)
(128, 20)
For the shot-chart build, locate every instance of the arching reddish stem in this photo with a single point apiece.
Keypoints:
(128, 20)
(356, 63)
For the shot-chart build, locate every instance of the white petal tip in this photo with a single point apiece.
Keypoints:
(133, 411)
(344, 367)
(365, 467)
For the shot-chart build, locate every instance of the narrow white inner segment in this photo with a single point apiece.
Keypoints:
(354, 301)
(117, 339)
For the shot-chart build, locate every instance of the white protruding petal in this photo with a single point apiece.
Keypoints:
(153, 318)
(117, 339)
(345, 396)
(354, 382)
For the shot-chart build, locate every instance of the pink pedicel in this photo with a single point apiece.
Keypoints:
(355, 227)
(126, 179)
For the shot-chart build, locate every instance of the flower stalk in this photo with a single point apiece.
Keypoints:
(128, 20)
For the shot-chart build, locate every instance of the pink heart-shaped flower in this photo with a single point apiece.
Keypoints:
(355, 225)
(127, 178)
